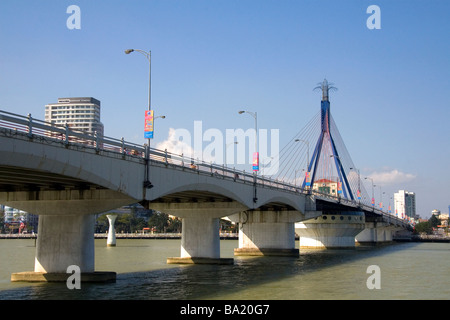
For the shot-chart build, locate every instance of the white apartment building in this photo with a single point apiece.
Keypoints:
(82, 114)
(405, 204)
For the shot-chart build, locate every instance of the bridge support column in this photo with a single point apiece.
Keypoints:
(65, 231)
(200, 237)
(200, 242)
(111, 241)
(63, 241)
(331, 230)
(267, 233)
(376, 233)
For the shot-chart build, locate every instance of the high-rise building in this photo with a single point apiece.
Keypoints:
(405, 204)
(81, 114)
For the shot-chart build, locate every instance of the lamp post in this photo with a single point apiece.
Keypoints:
(148, 56)
(373, 197)
(254, 115)
(307, 151)
(358, 195)
(158, 117)
(338, 182)
(306, 142)
(255, 172)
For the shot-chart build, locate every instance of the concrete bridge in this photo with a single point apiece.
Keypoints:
(66, 177)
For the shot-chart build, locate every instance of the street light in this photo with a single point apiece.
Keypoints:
(306, 142)
(373, 197)
(359, 184)
(254, 115)
(154, 122)
(148, 55)
(307, 151)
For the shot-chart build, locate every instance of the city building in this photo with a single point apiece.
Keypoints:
(405, 204)
(326, 186)
(435, 212)
(16, 220)
(443, 218)
(81, 114)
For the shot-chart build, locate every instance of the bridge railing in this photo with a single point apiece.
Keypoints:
(69, 136)
(65, 134)
(219, 171)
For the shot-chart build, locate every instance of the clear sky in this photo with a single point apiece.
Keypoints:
(211, 58)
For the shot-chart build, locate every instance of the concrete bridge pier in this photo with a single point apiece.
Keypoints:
(64, 241)
(65, 232)
(267, 232)
(331, 230)
(200, 237)
(200, 241)
(376, 233)
(111, 241)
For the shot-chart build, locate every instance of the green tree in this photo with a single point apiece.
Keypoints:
(434, 221)
(159, 220)
(174, 225)
(102, 224)
(423, 227)
(129, 223)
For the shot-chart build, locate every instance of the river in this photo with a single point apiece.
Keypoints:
(408, 270)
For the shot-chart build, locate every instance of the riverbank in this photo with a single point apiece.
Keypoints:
(223, 236)
(430, 238)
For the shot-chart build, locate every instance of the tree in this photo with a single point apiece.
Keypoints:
(174, 225)
(423, 227)
(434, 221)
(159, 220)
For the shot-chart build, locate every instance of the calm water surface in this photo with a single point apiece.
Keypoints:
(408, 271)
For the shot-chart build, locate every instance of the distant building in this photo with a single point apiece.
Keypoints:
(81, 114)
(435, 212)
(443, 217)
(405, 204)
(326, 186)
(19, 220)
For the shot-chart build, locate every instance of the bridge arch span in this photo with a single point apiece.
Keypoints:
(50, 166)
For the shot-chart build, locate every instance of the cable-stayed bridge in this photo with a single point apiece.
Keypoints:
(317, 159)
(66, 177)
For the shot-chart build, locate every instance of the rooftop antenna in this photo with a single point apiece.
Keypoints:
(325, 86)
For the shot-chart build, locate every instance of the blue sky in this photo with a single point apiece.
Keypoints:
(211, 58)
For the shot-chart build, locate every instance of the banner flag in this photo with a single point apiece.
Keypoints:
(148, 127)
(255, 161)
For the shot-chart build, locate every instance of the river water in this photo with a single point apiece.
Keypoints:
(406, 271)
